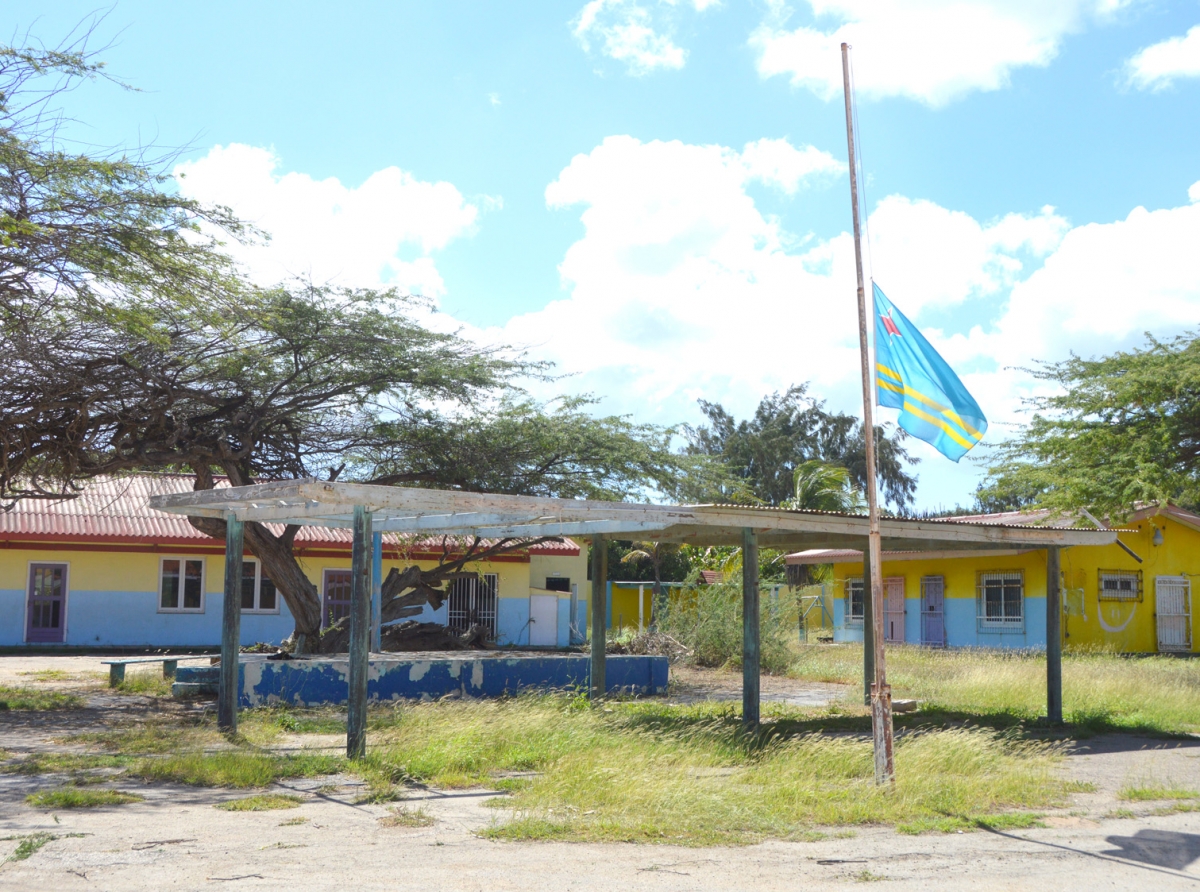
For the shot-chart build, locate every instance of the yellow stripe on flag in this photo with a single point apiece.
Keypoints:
(933, 404)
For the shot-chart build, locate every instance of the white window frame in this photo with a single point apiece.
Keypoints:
(258, 579)
(182, 575)
(1133, 576)
(851, 619)
(1015, 625)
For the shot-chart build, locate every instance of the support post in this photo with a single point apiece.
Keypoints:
(1054, 709)
(360, 619)
(599, 614)
(750, 630)
(231, 626)
(377, 592)
(868, 630)
(641, 609)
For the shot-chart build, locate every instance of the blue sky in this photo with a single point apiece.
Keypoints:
(653, 194)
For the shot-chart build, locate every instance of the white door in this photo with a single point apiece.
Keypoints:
(543, 620)
(1173, 609)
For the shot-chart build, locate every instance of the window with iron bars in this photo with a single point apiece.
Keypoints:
(473, 603)
(1120, 585)
(1000, 603)
(854, 600)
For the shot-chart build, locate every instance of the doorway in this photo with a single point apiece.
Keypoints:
(543, 620)
(336, 597)
(46, 607)
(1173, 612)
(893, 611)
(933, 621)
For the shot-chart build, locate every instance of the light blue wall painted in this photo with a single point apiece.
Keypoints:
(12, 617)
(564, 622)
(131, 619)
(842, 631)
(512, 621)
(912, 620)
(962, 626)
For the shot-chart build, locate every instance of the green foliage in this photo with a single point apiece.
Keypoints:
(646, 561)
(32, 698)
(147, 683)
(707, 619)
(29, 845)
(824, 487)
(233, 768)
(789, 429)
(80, 797)
(1121, 430)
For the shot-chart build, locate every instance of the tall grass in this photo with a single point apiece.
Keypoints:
(1100, 690)
(708, 620)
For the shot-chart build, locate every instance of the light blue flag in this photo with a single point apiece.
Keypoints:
(911, 376)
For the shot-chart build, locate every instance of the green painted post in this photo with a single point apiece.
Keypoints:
(750, 630)
(1054, 707)
(868, 629)
(599, 614)
(360, 630)
(231, 626)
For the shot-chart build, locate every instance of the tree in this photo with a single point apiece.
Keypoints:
(824, 487)
(790, 428)
(1122, 430)
(131, 344)
(656, 554)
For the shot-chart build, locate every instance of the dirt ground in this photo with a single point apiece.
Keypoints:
(175, 839)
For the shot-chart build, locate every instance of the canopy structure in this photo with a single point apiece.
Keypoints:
(376, 509)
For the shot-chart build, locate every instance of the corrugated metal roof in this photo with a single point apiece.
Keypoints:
(115, 509)
(1016, 519)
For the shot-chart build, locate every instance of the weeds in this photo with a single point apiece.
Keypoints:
(234, 768)
(147, 684)
(407, 817)
(32, 698)
(261, 802)
(294, 822)
(77, 797)
(28, 845)
(1154, 792)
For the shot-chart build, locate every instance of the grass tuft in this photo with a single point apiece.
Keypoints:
(407, 817)
(294, 822)
(32, 698)
(80, 797)
(1153, 792)
(146, 683)
(262, 802)
(29, 845)
(234, 768)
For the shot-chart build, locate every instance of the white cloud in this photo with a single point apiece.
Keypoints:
(639, 34)
(384, 231)
(933, 51)
(1157, 66)
(779, 163)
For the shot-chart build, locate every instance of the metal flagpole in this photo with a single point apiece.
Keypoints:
(881, 694)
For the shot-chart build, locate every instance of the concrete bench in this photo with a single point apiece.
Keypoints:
(116, 667)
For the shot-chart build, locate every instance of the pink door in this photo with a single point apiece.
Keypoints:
(46, 610)
(893, 599)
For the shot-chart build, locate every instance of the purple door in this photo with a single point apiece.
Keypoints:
(47, 609)
(337, 597)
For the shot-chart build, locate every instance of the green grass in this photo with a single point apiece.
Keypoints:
(1151, 792)
(147, 684)
(61, 763)
(80, 797)
(32, 698)
(48, 675)
(234, 768)
(1101, 691)
(28, 845)
(262, 802)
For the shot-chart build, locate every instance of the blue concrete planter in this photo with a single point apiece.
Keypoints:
(323, 680)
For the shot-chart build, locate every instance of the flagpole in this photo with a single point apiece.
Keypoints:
(881, 694)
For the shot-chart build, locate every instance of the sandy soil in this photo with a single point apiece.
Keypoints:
(177, 840)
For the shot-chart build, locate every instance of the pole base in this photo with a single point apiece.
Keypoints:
(881, 732)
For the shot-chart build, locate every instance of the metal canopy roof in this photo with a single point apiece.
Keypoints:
(417, 511)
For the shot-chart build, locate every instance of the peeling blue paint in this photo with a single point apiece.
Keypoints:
(324, 680)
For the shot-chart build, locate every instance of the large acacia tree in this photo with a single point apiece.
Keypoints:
(130, 343)
(1119, 430)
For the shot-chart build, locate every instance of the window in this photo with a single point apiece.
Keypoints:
(181, 585)
(258, 591)
(854, 599)
(337, 597)
(1001, 606)
(558, 584)
(1120, 585)
(473, 603)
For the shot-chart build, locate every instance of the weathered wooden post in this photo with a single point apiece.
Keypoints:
(750, 630)
(231, 626)
(377, 592)
(868, 629)
(360, 626)
(599, 614)
(1054, 709)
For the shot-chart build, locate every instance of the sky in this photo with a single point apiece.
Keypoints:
(654, 194)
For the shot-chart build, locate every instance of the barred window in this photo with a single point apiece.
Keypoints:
(1120, 585)
(854, 599)
(1001, 604)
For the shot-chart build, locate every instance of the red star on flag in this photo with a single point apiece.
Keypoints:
(890, 326)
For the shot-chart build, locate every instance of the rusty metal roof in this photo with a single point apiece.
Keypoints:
(116, 510)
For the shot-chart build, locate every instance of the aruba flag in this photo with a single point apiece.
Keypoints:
(911, 376)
